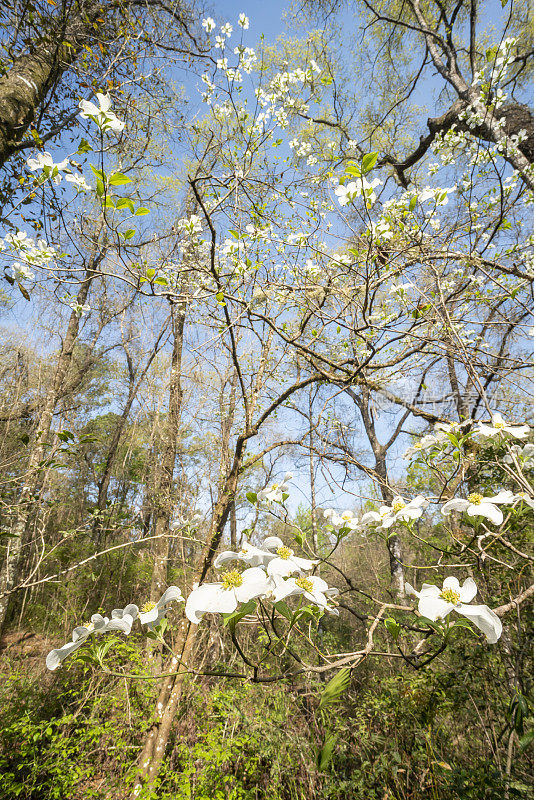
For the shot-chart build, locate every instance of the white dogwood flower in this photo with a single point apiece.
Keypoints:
(499, 426)
(524, 454)
(101, 114)
(151, 614)
(476, 505)
(78, 181)
(400, 511)
(249, 554)
(209, 24)
(45, 162)
(81, 633)
(285, 561)
(313, 588)
(275, 492)
(346, 519)
(20, 272)
(224, 597)
(243, 21)
(360, 187)
(435, 603)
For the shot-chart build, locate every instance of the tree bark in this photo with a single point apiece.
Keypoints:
(10, 567)
(163, 501)
(171, 689)
(33, 74)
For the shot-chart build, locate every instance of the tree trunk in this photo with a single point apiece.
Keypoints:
(33, 74)
(163, 502)
(12, 561)
(171, 689)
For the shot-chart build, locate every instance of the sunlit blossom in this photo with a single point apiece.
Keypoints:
(151, 613)
(476, 505)
(499, 426)
(275, 492)
(224, 596)
(435, 603)
(80, 634)
(101, 114)
(312, 587)
(400, 511)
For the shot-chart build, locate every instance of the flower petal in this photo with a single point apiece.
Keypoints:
(272, 543)
(282, 567)
(172, 593)
(485, 619)
(452, 583)
(55, 658)
(209, 598)
(456, 504)
(468, 590)
(434, 607)
(254, 584)
(487, 510)
(226, 555)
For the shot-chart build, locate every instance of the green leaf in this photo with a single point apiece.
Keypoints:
(24, 292)
(353, 169)
(334, 688)
(129, 233)
(161, 281)
(84, 146)
(125, 202)
(99, 188)
(324, 756)
(150, 273)
(118, 179)
(393, 627)
(284, 610)
(99, 174)
(326, 80)
(526, 740)
(413, 201)
(142, 211)
(368, 162)
(231, 620)
(252, 497)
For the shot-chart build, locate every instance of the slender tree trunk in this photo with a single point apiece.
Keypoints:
(380, 468)
(164, 501)
(171, 689)
(32, 480)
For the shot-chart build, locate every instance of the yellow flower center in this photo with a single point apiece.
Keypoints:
(398, 505)
(274, 487)
(147, 607)
(475, 498)
(417, 446)
(232, 579)
(305, 583)
(346, 515)
(499, 425)
(284, 552)
(450, 596)
(89, 625)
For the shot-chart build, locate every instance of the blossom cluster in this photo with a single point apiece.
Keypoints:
(269, 576)
(28, 253)
(122, 619)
